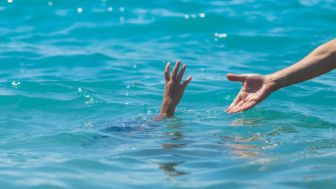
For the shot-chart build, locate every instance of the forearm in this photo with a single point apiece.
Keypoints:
(319, 61)
(167, 109)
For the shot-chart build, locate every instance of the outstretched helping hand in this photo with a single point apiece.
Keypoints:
(254, 90)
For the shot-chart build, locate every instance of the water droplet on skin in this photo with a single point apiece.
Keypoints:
(79, 10)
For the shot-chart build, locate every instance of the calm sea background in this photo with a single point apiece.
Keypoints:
(80, 81)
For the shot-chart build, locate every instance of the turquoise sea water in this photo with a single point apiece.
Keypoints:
(81, 80)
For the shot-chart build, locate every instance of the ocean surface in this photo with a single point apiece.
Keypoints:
(81, 80)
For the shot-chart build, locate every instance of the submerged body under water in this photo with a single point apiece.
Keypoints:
(81, 81)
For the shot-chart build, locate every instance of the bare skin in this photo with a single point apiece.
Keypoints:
(173, 90)
(257, 87)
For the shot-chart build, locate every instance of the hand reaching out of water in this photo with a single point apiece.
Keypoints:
(254, 90)
(173, 90)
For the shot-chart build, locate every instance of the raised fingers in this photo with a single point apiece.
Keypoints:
(166, 72)
(175, 70)
(180, 74)
(186, 82)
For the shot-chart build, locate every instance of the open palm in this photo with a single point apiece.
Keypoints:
(254, 90)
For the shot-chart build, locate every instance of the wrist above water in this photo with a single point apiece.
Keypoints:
(167, 107)
(274, 81)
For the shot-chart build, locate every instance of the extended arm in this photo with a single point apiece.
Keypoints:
(321, 60)
(173, 90)
(256, 87)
